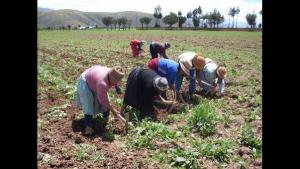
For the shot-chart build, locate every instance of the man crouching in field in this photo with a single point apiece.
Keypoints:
(143, 89)
(92, 93)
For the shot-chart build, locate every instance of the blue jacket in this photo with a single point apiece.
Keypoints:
(168, 68)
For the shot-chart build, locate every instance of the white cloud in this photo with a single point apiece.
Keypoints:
(246, 6)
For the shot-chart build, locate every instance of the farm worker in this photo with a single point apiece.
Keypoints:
(118, 89)
(167, 68)
(92, 92)
(143, 88)
(212, 77)
(189, 62)
(136, 47)
(158, 47)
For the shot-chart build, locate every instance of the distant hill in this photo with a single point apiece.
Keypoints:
(42, 10)
(64, 17)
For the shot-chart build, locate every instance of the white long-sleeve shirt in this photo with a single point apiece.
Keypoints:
(210, 75)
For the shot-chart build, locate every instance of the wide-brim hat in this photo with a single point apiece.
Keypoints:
(198, 61)
(116, 74)
(222, 72)
(185, 70)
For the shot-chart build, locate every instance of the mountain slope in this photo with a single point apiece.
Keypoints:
(64, 17)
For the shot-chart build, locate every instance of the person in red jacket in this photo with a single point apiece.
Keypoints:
(136, 47)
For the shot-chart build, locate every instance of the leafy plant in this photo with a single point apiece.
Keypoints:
(98, 157)
(108, 135)
(233, 72)
(134, 115)
(159, 155)
(47, 158)
(204, 118)
(219, 149)
(183, 158)
(146, 131)
(191, 98)
(57, 111)
(40, 124)
(186, 130)
(241, 98)
(227, 119)
(249, 138)
(119, 101)
(53, 79)
(250, 116)
(258, 101)
(80, 155)
(83, 150)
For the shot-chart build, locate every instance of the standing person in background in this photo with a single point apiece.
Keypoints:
(159, 48)
(92, 93)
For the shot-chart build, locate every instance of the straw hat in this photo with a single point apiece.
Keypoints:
(221, 71)
(116, 74)
(161, 83)
(185, 70)
(199, 61)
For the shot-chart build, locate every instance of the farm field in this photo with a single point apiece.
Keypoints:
(223, 132)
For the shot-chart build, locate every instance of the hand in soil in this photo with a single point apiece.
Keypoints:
(172, 107)
(180, 98)
(220, 94)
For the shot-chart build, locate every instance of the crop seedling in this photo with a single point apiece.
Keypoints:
(83, 150)
(98, 157)
(108, 136)
(64, 55)
(219, 149)
(258, 101)
(249, 138)
(159, 155)
(64, 152)
(80, 155)
(57, 112)
(183, 158)
(146, 131)
(204, 118)
(134, 115)
(47, 158)
(227, 118)
(40, 124)
(250, 116)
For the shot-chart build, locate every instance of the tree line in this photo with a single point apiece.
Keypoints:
(208, 20)
(196, 16)
(113, 22)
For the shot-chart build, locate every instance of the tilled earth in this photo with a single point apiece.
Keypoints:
(60, 137)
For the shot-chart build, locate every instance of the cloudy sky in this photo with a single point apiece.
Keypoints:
(246, 6)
